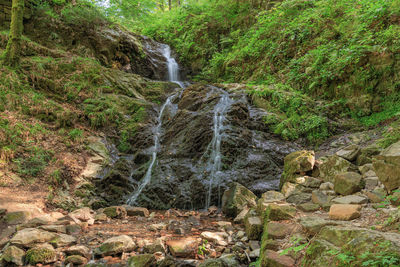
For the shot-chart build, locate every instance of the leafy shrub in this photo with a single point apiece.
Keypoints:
(33, 164)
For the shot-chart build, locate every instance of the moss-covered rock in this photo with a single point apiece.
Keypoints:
(13, 254)
(143, 260)
(297, 164)
(115, 212)
(40, 255)
(333, 241)
(333, 165)
(347, 183)
(277, 212)
(116, 245)
(254, 227)
(236, 198)
(16, 217)
(76, 260)
(387, 166)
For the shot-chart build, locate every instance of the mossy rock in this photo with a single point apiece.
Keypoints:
(115, 212)
(16, 217)
(13, 254)
(143, 260)
(297, 163)
(76, 260)
(40, 255)
(236, 198)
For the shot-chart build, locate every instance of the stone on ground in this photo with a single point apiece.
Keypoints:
(350, 199)
(274, 259)
(236, 198)
(344, 212)
(63, 240)
(216, 237)
(349, 153)
(79, 250)
(184, 247)
(116, 245)
(308, 207)
(13, 254)
(280, 212)
(297, 164)
(16, 217)
(387, 166)
(276, 230)
(83, 215)
(254, 227)
(142, 260)
(31, 236)
(115, 212)
(313, 224)
(42, 254)
(76, 260)
(137, 211)
(347, 183)
(308, 181)
(333, 165)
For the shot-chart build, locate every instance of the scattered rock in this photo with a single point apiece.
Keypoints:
(333, 165)
(277, 230)
(344, 212)
(236, 198)
(79, 250)
(308, 181)
(30, 236)
(54, 228)
(42, 254)
(13, 254)
(101, 217)
(76, 260)
(349, 153)
(371, 183)
(240, 217)
(375, 196)
(326, 186)
(313, 224)
(83, 215)
(254, 227)
(217, 238)
(299, 198)
(183, 248)
(296, 164)
(73, 229)
(16, 217)
(280, 212)
(116, 245)
(115, 212)
(308, 207)
(272, 258)
(321, 198)
(351, 199)
(143, 260)
(347, 183)
(350, 240)
(387, 166)
(137, 211)
(254, 254)
(63, 240)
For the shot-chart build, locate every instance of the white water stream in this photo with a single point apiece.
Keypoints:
(173, 76)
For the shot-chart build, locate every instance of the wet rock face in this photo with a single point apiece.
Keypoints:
(186, 157)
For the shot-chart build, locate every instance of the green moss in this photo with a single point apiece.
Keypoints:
(39, 255)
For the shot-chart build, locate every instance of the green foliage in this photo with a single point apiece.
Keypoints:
(296, 247)
(332, 50)
(202, 250)
(293, 115)
(75, 134)
(33, 164)
(391, 135)
(83, 14)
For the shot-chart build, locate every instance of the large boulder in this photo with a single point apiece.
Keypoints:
(31, 236)
(13, 254)
(387, 166)
(332, 241)
(254, 227)
(116, 245)
(333, 165)
(347, 183)
(349, 153)
(236, 198)
(297, 164)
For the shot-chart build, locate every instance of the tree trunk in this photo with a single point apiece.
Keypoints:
(169, 4)
(13, 49)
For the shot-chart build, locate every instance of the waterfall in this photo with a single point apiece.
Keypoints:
(173, 76)
(214, 162)
(173, 67)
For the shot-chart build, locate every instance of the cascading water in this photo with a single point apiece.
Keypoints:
(173, 67)
(214, 148)
(173, 76)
